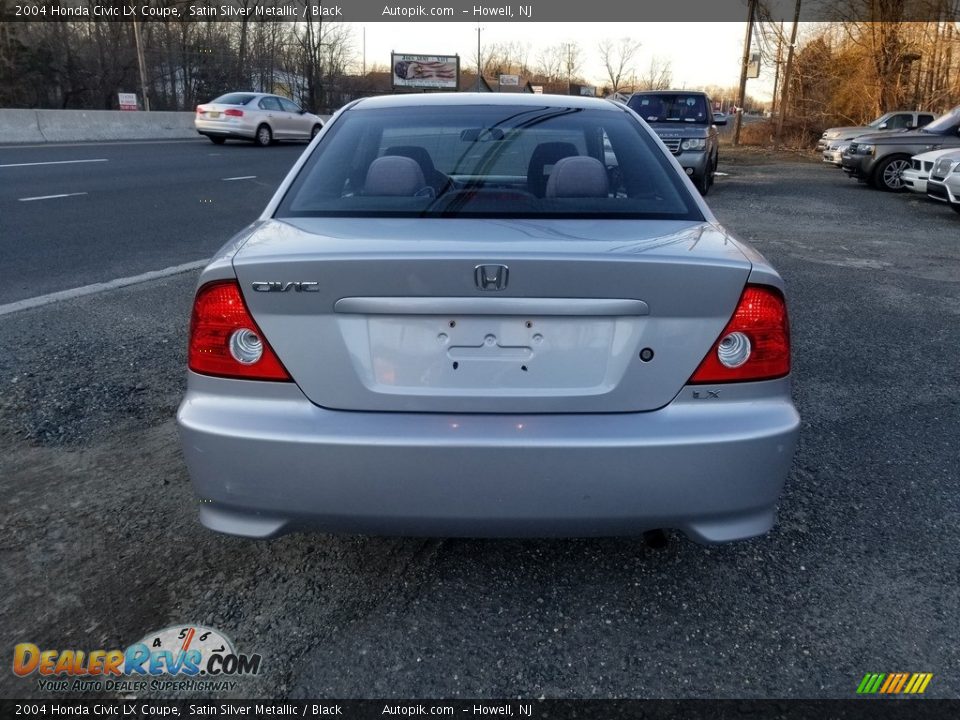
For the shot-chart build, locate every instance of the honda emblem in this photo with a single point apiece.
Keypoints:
(491, 277)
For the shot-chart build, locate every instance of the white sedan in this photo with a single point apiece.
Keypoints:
(260, 117)
(915, 177)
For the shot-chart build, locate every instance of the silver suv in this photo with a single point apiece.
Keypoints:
(686, 124)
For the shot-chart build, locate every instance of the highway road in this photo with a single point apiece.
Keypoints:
(101, 544)
(73, 215)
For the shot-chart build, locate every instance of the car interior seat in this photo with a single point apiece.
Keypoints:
(544, 156)
(434, 178)
(394, 175)
(577, 177)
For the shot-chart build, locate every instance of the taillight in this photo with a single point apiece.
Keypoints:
(755, 344)
(233, 112)
(224, 339)
(199, 110)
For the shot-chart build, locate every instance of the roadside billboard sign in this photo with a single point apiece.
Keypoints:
(438, 72)
(128, 101)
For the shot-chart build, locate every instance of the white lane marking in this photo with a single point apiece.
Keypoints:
(49, 197)
(110, 143)
(721, 174)
(73, 293)
(54, 162)
(242, 177)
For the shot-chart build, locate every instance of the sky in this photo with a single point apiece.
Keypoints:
(699, 53)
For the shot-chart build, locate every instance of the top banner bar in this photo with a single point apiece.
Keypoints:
(486, 11)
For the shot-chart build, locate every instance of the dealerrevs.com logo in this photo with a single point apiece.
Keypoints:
(188, 657)
(894, 683)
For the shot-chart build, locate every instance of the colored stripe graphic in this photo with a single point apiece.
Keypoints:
(870, 683)
(913, 682)
(894, 683)
(903, 681)
(918, 683)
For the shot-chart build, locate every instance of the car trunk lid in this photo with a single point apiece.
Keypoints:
(511, 316)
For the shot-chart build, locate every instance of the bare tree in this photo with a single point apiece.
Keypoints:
(617, 59)
(506, 58)
(549, 65)
(657, 76)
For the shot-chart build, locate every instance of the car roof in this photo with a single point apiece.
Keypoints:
(460, 99)
(670, 92)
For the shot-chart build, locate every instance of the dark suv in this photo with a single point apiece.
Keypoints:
(685, 122)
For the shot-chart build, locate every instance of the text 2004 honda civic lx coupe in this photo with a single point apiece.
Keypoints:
(488, 316)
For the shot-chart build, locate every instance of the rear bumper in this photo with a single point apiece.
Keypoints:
(226, 129)
(264, 460)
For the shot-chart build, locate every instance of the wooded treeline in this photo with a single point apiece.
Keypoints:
(850, 72)
(85, 63)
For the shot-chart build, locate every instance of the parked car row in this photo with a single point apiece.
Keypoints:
(925, 160)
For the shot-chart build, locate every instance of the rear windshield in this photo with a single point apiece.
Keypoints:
(488, 161)
(234, 99)
(671, 107)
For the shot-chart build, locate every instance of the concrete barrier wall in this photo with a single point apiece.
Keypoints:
(40, 126)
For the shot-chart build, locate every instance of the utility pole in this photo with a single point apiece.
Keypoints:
(478, 57)
(785, 93)
(742, 92)
(143, 72)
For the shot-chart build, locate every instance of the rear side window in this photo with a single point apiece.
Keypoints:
(234, 99)
(489, 161)
(900, 120)
(924, 120)
(269, 103)
(671, 107)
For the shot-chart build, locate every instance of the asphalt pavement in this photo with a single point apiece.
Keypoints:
(73, 215)
(101, 544)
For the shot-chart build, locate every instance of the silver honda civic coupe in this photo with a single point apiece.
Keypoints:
(476, 315)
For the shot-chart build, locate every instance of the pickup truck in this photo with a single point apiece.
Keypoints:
(685, 122)
(896, 120)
